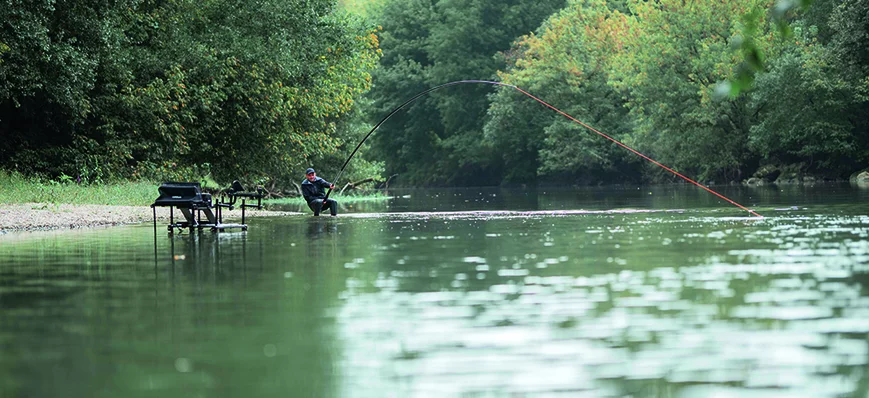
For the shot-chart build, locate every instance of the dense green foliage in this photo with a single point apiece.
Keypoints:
(171, 89)
(673, 56)
(655, 75)
(94, 90)
(568, 61)
(439, 139)
(363, 8)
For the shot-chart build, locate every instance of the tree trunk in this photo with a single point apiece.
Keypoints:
(353, 185)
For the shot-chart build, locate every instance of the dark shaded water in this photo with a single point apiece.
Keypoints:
(661, 291)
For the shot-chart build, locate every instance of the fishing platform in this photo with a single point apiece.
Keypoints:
(193, 204)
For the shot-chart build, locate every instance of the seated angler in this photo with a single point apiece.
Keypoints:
(314, 191)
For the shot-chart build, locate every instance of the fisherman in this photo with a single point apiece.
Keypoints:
(313, 189)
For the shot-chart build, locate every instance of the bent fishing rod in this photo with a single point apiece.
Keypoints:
(544, 103)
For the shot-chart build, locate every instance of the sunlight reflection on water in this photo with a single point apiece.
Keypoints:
(782, 319)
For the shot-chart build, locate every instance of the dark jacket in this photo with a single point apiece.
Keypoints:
(314, 190)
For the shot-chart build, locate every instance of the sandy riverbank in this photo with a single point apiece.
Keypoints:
(40, 216)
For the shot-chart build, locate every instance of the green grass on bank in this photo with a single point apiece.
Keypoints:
(19, 189)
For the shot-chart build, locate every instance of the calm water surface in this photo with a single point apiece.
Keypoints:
(599, 292)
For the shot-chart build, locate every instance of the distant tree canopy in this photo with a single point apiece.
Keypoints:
(258, 90)
(439, 139)
(568, 62)
(648, 73)
(178, 88)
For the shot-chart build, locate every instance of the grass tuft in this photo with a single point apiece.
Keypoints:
(20, 189)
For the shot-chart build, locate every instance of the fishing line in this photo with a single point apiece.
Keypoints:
(546, 104)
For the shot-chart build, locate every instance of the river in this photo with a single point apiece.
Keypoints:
(663, 291)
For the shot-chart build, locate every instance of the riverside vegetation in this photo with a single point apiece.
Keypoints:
(97, 92)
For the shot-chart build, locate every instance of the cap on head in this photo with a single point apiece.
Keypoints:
(309, 171)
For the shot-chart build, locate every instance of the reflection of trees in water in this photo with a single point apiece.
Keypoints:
(246, 313)
(263, 298)
(218, 257)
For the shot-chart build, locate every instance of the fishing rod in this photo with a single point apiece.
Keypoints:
(394, 111)
(559, 111)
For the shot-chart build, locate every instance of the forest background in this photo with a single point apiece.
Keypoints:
(93, 91)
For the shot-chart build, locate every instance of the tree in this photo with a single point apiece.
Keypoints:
(51, 56)
(262, 92)
(407, 142)
(806, 108)
(672, 62)
(180, 89)
(568, 64)
(430, 43)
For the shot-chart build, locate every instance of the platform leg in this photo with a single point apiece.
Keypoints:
(242, 211)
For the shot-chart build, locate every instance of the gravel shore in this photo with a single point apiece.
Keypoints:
(40, 216)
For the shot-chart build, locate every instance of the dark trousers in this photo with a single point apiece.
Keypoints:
(331, 204)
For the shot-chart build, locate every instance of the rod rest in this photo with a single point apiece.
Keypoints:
(229, 197)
